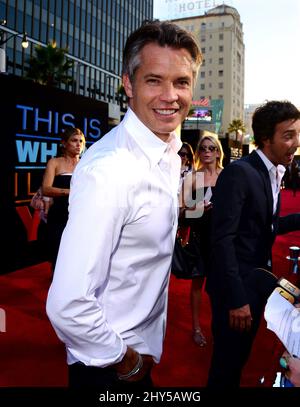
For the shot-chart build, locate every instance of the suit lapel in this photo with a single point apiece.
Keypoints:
(256, 161)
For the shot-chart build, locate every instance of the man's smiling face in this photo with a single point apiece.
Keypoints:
(282, 147)
(161, 92)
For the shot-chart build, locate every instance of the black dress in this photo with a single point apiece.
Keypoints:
(57, 216)
(201, 233)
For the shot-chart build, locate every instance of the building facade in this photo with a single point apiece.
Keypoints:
(248, 113)
(221, 77)
(94, 32)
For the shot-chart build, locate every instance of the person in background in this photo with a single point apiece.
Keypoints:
(245, 223)
(186, 154)
(208, 161)
(108, 298)
(56, 185)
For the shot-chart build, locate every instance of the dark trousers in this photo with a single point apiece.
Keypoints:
(231, 349)
(82, 376)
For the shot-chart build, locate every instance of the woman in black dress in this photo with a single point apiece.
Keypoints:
(56, 184)
(208, 161)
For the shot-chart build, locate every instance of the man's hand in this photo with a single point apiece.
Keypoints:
(240, 318)
(293, 369)
(207, 206)
(128, 363)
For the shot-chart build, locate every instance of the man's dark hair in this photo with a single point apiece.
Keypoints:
(267, 116)
(162, 33)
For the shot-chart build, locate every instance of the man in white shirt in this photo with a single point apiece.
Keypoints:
(245, 223)
(108, 298)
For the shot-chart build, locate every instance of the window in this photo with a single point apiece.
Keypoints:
(221, 48)
(202, 74)
(202, 86)
(220, 85)
(221, 61)
(202, 39)
(221, 36)
(203, 50)
(209, 73)
(220, 73)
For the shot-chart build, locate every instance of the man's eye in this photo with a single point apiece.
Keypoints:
(184, 83)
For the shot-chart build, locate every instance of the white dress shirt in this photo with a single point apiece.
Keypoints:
(275, 174)
(111, 278)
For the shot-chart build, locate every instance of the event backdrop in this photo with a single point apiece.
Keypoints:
(32, 118)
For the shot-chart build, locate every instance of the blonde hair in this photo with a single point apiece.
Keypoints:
(216, 142)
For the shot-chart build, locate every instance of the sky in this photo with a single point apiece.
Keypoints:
(272, 48)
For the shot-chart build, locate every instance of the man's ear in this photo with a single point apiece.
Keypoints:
(127, 85)
(266, 142)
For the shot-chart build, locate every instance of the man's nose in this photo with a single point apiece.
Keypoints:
(169, 93)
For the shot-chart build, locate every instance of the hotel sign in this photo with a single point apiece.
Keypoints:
(175, 9)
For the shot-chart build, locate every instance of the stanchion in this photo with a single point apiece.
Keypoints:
(294, 259)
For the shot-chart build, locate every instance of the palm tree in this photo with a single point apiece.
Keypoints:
(236, 126)
(49, 66)
(121, 91)
(122, 97)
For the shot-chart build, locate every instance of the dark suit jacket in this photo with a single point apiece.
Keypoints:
(243, 228)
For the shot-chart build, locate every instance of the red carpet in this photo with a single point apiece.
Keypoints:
(31, 355)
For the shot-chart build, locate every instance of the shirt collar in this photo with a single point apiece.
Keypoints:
(151, 145)
(270, 166)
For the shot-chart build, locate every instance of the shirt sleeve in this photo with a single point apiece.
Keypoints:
(97, 211)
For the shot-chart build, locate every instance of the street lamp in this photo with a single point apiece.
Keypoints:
(3, 40)
(79, 64)
(24, 39)
(25, 42)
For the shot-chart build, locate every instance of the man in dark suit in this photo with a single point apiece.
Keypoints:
(245, 223)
